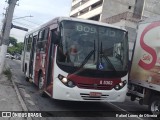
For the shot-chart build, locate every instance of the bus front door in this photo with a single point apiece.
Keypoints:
(32, 57)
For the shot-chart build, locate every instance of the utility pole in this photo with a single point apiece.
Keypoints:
(6, 32)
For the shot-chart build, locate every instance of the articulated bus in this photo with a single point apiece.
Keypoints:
(77, 60)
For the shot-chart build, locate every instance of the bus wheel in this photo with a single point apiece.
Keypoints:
(26, 78)
(154, 105)
(133, 98)
(40, 81)
(41, 85)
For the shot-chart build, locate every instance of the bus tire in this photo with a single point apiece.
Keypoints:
(133, 98)
(40, 85)
(43, 94)
(25, 73)
(154, 105)
(40, 81)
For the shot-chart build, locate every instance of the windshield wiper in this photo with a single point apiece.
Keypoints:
(89, 55)
(87, 58)
(106, 58)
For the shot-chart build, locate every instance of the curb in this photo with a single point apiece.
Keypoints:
(24, 107)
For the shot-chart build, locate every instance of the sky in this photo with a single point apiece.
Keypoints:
(40, 11)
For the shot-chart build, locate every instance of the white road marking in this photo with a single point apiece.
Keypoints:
(3, 99)
(27, 95)
(31, 102)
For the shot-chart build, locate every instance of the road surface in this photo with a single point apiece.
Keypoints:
(72, 110)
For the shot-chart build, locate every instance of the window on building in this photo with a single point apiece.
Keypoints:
(84, 10)
(84, 1)
(96, 18)
(76, 6)
(74, 15)
(97, 4)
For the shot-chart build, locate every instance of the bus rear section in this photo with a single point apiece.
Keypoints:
(85, 61)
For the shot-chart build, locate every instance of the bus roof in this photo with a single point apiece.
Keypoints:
(91, 22)
(59, 19)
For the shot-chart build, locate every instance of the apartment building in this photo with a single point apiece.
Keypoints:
(100, 10)
(87, 9)
(124, 13)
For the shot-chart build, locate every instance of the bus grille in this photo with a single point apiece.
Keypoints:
(88, 97)
(95, 87)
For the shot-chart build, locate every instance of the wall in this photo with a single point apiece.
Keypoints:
(151, 8)
(114, 7)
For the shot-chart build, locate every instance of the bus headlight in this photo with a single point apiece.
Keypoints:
(66, 81)
(117, 87)
(120, 85)
(70, 84)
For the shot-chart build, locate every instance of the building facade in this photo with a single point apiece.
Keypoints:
(87, 9)
(99, 10)
(124, 13)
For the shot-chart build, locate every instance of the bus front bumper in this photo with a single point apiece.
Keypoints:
(62, 92)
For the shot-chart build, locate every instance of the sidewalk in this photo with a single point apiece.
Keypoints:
(8, 97)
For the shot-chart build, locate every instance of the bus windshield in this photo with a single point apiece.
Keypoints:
(91, 46)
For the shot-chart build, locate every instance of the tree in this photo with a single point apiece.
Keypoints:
(13, 41)
(16, 48)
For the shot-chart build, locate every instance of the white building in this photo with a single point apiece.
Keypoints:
(87, 9)
(125, 13)
(99, 10)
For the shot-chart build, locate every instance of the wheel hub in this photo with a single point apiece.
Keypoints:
(41, 82)
(155, 107)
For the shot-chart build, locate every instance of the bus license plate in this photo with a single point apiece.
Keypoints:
(95, 94)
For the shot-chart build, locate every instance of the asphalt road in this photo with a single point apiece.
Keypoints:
(72, 110)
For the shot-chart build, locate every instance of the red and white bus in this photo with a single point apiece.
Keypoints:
(78, 60)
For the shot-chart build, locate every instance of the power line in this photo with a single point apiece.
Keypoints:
(21, 17)
(30, 21)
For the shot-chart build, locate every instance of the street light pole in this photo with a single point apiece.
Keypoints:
(6, 32)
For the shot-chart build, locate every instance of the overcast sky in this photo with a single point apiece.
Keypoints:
(41, 10)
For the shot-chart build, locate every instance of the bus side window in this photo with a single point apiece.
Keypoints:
(42, 40)
(25, 43)
(35, 39)
(29, 43)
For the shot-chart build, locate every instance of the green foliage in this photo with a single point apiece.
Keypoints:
(8, 73)
(16, 48)
(13, 41)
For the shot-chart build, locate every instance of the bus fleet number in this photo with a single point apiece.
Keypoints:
(86, 29)
(106, 82)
